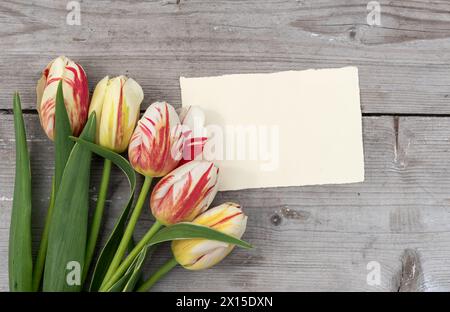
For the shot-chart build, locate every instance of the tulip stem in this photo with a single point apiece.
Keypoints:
(97, 218)
(128, 233)
(133, 254)
(162, 271)
(40, 259)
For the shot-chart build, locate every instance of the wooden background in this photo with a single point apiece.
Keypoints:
(317, 238)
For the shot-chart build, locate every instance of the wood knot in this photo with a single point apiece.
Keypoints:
(275, 219)
(410, 276)
(289, 213)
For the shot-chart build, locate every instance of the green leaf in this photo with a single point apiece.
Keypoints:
(117, 159)
(187, 230)
(128, 281)
(121, 283)
(69, 221)
(20, 258)
(63, 148)
(63, 144)
(137, 268)
(108, 251)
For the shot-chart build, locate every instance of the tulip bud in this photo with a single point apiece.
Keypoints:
(193, 122)
(116, 102)
(76, 94)
(185, 192)
(199, 254)
(156, 144)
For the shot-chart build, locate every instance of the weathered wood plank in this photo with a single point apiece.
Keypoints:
(307, 238)
(404, 63)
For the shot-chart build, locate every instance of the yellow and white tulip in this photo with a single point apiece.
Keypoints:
(199, 254)
(116, 103)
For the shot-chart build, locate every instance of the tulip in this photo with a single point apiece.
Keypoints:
(76, 94)
(199, 254)
(193, 122)
(116, 102)
(185, 192)
(156, 145)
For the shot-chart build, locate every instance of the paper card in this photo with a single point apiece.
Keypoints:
(282, 129)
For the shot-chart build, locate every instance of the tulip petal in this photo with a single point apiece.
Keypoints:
(40, 90)
(155, 147)
(111, 106)
(185, 192)
(76, 94)
(132, 99)
(193, 121)
(97, 102)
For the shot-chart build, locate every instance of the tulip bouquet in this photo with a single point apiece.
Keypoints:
(161, 144)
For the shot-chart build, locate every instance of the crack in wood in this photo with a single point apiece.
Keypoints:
(396, 146)
(31, 111)
(410, 276)
(401, 145)
(410, 25)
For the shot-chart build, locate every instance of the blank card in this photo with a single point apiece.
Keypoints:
(281, 129)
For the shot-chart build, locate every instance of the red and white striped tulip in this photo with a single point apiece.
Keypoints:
(116, 102)
(199, 254)
(76, 94)
(185, 192)
(157, 142)
(193, 122)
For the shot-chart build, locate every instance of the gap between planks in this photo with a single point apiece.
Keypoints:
(26, 111)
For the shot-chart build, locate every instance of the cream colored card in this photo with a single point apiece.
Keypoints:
(282, 129)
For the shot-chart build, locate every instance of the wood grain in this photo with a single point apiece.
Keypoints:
(306, 238)
(404, 63)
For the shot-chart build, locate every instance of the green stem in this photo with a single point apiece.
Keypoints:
(97, 218)
(132, 255)
(40, 259)
(128, 231)
(162, 271)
